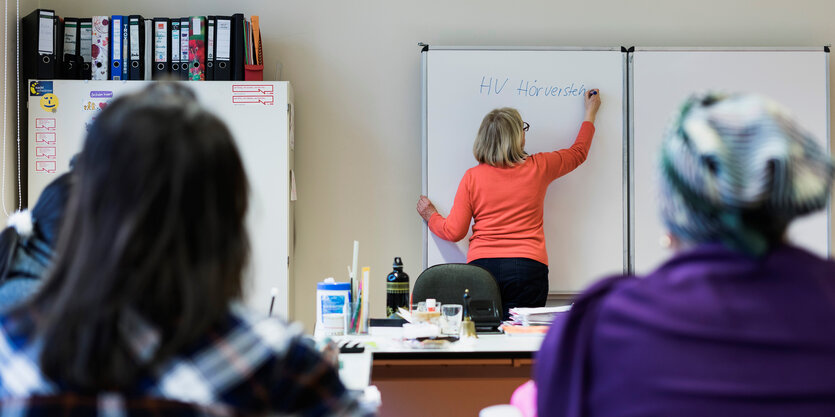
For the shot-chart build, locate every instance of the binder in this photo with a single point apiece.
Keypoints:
(174, 42)
(210, 48)
(162, 48)
(116, 47)
(72, 61)
(136, 48)
(125, 49)
(58, 41)
(100, 48)
(148, 51)
(238, 48)
(85, 36)
(223, 48)
(184, 61)
(72, 68)
(38, 45)
(197, 48)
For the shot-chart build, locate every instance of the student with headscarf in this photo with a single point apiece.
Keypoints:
(739, 322)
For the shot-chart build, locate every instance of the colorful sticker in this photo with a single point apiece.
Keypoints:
(39, 88)
(49, 102)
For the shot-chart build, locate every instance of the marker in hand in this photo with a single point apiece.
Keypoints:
(592, 103)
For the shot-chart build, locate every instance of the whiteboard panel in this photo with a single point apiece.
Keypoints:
(663, 79)
(256, 114)
(584, 213)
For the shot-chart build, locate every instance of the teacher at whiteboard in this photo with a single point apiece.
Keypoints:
(504, 194)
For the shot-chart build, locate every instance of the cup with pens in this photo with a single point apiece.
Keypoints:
(359, 318)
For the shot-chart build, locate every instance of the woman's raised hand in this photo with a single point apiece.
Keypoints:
(425, 208)
(592, 104)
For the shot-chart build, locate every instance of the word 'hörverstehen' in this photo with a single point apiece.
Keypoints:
(529, 88)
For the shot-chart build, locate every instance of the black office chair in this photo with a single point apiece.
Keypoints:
(447, 282)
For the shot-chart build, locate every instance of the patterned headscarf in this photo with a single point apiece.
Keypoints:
(737, 169)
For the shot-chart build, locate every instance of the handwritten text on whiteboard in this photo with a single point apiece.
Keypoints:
(529, 88)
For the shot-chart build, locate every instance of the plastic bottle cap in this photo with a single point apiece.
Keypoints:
(330, 285)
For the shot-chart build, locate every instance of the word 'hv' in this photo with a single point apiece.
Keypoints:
(495, 86)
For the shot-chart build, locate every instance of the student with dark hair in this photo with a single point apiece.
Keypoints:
(142, 297)
(26, 246)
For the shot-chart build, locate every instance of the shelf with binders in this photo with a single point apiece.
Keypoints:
(209, 48)
(132, 47)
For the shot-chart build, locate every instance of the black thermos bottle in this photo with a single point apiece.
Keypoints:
(397, 289)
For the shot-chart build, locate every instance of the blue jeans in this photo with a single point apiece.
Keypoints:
(522, 282)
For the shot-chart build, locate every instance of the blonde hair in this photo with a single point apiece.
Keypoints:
(499, 139)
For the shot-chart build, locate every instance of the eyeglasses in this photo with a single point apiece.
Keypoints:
(525, 126)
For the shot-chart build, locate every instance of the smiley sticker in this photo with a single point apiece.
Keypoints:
(49, 102)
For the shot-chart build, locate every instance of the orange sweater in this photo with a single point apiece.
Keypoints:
(507, 203)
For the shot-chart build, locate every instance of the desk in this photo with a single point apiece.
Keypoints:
(456, 381)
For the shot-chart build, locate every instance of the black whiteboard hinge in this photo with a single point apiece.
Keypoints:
(826, 48)
(423, 46)
(625, 49)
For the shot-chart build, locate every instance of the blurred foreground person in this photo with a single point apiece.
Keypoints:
(739, 322)
(141, 301)
(27, 245)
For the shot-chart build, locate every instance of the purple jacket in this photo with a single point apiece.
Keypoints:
(710, 333)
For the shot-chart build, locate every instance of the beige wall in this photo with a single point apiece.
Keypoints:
(355, 69)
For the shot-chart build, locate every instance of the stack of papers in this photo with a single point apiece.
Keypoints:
(535, 316)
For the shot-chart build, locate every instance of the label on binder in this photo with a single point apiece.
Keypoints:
(45, 28)
(175, 42)
(116, 24)
(134, 40)
(184, 41)
(224, 36)
(70, 36)
(161, 42)
(86, 45)
(210, 46)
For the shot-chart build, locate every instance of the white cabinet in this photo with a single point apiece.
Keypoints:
(260, 116)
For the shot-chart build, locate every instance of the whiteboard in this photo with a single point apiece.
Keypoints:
(584, 210)
(661, 79)
(257, 114)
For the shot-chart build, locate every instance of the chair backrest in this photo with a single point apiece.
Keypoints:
(447, 282)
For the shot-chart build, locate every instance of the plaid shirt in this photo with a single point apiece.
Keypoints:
(249, 364)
